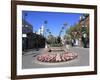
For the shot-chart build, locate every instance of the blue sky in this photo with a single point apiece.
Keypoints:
(55, 20)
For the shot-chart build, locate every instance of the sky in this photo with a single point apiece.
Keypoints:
(55, 20)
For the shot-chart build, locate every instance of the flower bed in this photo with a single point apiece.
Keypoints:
(48, 57)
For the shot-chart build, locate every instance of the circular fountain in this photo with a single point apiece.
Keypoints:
(56, 55)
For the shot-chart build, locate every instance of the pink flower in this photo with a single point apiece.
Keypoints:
(46, 57)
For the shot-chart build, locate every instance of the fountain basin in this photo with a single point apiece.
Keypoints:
(56, 57)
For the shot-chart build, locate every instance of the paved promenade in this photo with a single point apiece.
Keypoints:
(28, 59)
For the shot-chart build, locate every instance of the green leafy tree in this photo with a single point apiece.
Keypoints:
(74, 31)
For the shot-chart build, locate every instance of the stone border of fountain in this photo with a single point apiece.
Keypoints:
(56, 57)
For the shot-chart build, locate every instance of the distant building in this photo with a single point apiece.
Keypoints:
(30, 39)
(84, 24)
(41, 31)
(26, 27)
(84, 20)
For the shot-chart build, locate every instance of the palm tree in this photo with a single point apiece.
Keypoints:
(63, 27)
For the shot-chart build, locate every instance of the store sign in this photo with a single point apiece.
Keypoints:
(24, 35)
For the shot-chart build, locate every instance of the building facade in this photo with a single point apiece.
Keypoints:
(84, 24)
(31, 40)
